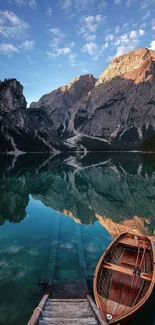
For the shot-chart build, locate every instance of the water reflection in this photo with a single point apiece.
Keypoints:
(116, 189)
(45, 245)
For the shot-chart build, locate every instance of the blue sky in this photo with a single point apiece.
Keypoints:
(46, 43)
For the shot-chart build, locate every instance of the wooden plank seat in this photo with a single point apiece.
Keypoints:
(129, 265)
(133, 243)
(124, 270)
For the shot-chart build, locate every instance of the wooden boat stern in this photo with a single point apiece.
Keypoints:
(124, 277)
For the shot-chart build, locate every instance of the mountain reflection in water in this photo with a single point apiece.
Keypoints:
(116, 189)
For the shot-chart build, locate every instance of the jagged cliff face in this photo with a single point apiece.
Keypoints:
(12, 117)
(122, 103)
(15, 133)
(22, 130)
(62, 104)
(12, 98)
(125, 64)
(115, 112)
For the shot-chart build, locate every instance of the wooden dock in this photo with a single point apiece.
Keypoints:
(67, 312)
(65, 302)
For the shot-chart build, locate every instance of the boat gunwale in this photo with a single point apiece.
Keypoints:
(150, 288)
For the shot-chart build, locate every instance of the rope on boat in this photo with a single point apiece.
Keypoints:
(141, 263)
(140, 245)
(37, 311)
(38, 308)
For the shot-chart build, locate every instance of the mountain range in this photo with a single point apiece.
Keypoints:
(114, 112)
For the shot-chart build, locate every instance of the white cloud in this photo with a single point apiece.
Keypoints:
(152, 46)
(27, 45)
(59, 45)
(88, 25)
(79, 5)
(102, 5)
(72, 44)
(128, 41)
(90, 38)
(72, 59)
(18, 2)
(66, 50)
(92, 22)
(11, 26)
(56, 32)
(63, 50)
(84, 70)
(59, 51)
(105, 46)
(57, 37)
(133, 34)
(123, 43)
(83, 4)
(146, 16)
(143, 25)
(90, 48)
(110, 58)
(124, 49)
(125, 26)
(121, 39)
(109, 37)
(66, 4)
(153, 24)
(30, 60)
(146, 3)
(118, 2)
(8, 49)
(31, 3)
(129, 2)
(117, 29)
(49, 11)
(141, 32)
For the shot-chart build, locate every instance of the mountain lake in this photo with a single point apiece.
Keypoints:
(59, 213)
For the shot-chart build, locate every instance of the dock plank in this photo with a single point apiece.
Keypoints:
(68, 321)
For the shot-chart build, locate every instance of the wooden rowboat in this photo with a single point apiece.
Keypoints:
(124, 277)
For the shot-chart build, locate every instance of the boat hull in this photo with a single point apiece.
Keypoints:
(124, 277)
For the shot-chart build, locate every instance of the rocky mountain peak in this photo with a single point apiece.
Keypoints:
(61, 104)
(115, 112)
(79, 85)
(87, 78)
(126, 63)
(12, 97)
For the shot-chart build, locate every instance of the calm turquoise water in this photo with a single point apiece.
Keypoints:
(39, 241)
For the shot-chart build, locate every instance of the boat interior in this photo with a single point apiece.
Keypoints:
(126, 271)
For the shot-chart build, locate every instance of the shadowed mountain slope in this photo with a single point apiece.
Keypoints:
(115, 112)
